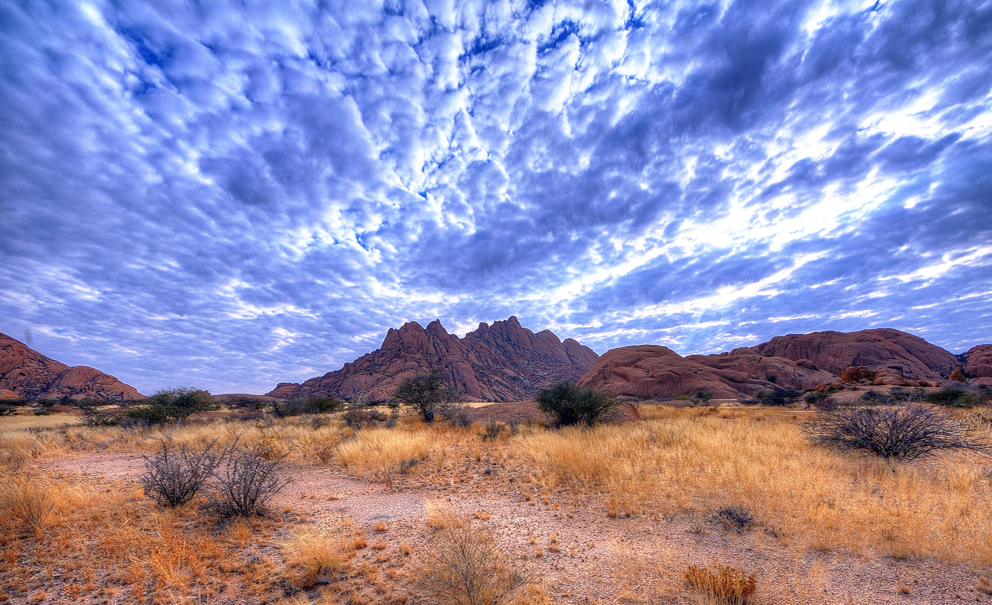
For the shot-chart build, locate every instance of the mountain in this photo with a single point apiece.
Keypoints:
(499, 362)
(27, 374)
(795, 361)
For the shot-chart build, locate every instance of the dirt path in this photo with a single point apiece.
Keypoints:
(581, 555)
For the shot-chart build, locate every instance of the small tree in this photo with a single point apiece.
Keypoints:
(570, 403)
(425, 392)
(896, 432)
(172, 404)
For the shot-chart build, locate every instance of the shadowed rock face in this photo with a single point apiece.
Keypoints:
(499, 362)
(30, 375)
(979, 361)
(900, 354)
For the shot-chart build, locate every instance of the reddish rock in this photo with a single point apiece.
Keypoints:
(8, 394)
(957, 376)
(979, 361)
(652, 371)
(856, 373)
(30, 375)
(907, 357)
(749, 372)
(499, 362)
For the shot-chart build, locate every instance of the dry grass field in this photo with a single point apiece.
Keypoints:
(710, 504)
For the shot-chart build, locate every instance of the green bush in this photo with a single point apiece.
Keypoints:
(171, 404)
(779, 397)
(958, 394)
(570, 403)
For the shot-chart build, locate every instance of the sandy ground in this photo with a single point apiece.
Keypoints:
(577, 552)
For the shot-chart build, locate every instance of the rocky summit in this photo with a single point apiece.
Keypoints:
(27, 374)
(499, 362)
(795, 361)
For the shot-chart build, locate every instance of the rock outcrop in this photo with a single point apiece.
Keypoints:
(30, 375)
(499, 362)
(651, 371)
(901, 357)
(798, 361)
(751, 372)
(978, 362)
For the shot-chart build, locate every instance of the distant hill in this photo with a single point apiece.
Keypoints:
(499, 362)
(797, 361)
(27, 374)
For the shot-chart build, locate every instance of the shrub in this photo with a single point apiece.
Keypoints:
(6, 409)
(958, 394)
(306, 405)
(455, 413)
(358, 417)
(425, 392)
(704, 395)
(171, 404)
(247, 482)
(570, 403)
(723, 584)
(778, 397)
(899, 432)
(93, 417)
(175, 475)
(465, 565)
(27, 500)
(180, 402)
(736, 517)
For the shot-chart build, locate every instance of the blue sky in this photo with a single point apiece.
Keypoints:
(226, 196)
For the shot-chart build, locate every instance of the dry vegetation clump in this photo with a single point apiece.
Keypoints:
(247, 480)
(383, 450)
(896, 432)
(465, 565)
(176, 474)
(724, 585)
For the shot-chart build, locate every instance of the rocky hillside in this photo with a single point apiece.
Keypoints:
(796, 361)
(499, 362)
(27, 374)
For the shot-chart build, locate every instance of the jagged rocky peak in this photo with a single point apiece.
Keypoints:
(502, 361)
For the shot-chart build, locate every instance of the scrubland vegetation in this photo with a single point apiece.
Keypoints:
(702, 504)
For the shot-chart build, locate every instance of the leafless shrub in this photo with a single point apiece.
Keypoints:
(247, 482)
(897, 432)
(176, 474)
(454, 412)
(466, 566)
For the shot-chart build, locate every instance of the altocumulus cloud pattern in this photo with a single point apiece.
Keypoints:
(227, 195)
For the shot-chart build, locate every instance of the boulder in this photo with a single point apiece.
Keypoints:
(856, 373)
(978, 361)
(653, 371)
(902, 355)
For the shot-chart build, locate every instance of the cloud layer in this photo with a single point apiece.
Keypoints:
(230, 196)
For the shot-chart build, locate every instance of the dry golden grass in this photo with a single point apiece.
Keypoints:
(811, 497)
(382, 450)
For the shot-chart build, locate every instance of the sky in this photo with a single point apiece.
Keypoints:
(231, 195)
